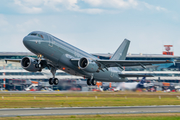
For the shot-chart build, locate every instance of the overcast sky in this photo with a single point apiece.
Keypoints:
(95, 26)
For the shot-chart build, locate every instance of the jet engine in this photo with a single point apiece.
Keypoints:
(30, 64)
(88, 65)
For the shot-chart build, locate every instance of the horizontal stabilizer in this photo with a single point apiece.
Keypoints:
(134, 75)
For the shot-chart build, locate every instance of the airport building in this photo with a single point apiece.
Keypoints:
(13, 77)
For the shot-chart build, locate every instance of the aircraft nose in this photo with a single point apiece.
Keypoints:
(26, 41)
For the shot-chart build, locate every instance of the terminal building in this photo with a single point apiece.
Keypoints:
(12, 75)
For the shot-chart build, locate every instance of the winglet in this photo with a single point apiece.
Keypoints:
(121, 52)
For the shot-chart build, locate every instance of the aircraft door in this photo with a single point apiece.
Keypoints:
(50, 41)
(112, 73)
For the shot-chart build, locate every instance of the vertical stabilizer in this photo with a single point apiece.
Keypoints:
(143, 81)
(121, 52)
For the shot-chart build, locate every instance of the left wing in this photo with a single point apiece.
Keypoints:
(124, 63)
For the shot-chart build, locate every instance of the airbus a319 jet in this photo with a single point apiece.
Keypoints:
(54, 53)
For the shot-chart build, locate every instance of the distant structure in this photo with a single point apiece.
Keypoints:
(13, 77)
(168, 48)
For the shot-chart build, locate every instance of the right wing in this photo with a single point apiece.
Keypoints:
(12, 60)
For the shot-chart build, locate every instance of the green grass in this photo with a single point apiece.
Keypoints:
(161, 116)
(79, 99)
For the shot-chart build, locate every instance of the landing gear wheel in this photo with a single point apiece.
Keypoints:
(38, 65)
(56, 81)
(88, 81)
(51, 81)
(93, 82)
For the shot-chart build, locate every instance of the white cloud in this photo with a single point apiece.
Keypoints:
(4, 24)
(94, 2)
(96, 6)
(29, 2)
(3, 21)
(32, 6)
(28, 6)
(152, 7)
(13, 30)
(113, 3)
(37, 6)
(160, 8)
(93, 11)
(58, 5)
(123, 4)
(27, 25)
(7, 25)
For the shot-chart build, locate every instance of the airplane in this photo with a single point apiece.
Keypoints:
(54, 53)
(133, 85)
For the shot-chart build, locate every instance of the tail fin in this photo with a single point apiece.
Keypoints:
(121, 52)
(143, 80)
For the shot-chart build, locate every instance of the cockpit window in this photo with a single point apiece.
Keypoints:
(35, 34)
(40, 35)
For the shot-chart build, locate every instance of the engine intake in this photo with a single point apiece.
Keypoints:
(29, 64)
(88, 65)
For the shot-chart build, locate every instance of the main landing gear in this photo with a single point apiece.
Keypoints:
(53, 80)
(91, 82)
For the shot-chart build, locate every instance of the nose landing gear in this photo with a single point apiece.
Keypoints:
(39, 64)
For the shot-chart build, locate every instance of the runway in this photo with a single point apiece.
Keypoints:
(88, 110)
(41, 92)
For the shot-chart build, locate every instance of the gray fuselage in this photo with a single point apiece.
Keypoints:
(60, 53)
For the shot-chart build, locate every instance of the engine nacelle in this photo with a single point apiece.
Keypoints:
(88, 65)
(28, 63)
